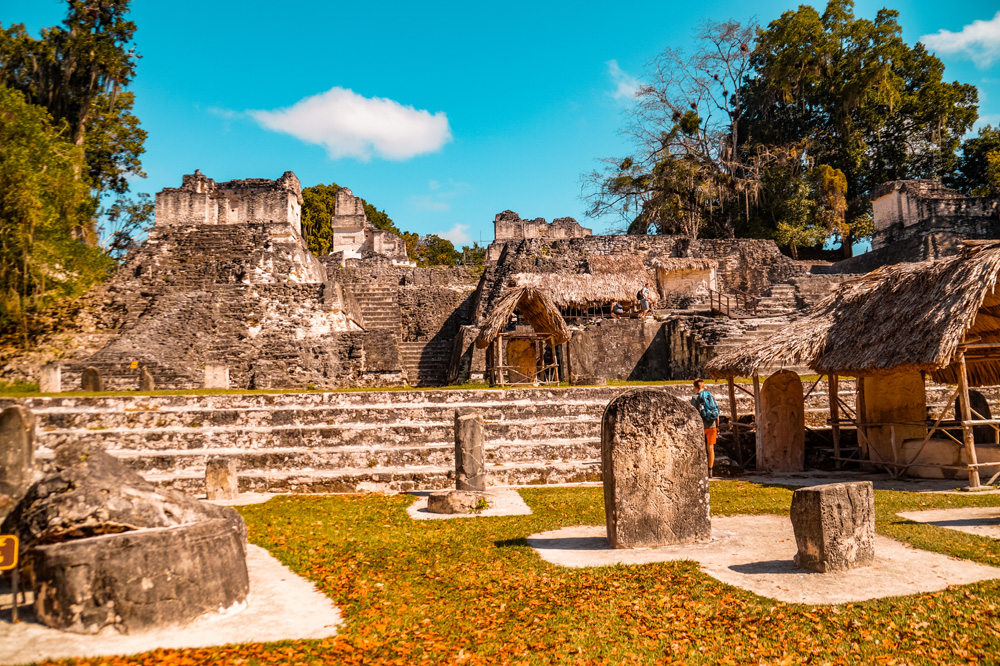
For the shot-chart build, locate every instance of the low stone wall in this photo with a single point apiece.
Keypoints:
(620, 349)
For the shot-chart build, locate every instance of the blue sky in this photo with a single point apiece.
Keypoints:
(445, 114)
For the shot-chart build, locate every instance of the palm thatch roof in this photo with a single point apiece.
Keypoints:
(536, 308)
(897, 318)
(683, 263)
(584, 290)
(614, 264)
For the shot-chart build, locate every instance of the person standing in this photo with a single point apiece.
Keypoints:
(708, 409)
(643, 297)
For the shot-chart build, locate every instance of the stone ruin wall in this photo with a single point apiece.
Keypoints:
(200, 200)
(917, 220)
(508, 226)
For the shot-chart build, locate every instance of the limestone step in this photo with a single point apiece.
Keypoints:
(321, 436)
(192, 461)
(390, 479)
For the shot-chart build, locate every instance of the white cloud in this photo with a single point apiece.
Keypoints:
(458, 235)
(626, 86)
(350, 125)
(427, 202)
(980, 41)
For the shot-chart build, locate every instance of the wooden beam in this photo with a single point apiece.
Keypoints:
(756, 416)
(833, 391)
(970, 443)
(734, 423)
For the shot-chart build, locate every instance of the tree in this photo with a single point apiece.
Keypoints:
(688, 174)
(45, 217)
(977, 171)
(432, 250)
(79, 72)
(319, 204)
(858, 98)
(473, 256)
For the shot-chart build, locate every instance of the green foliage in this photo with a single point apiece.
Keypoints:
(319, 203)
(78, 72)
(475, 255)
(974, 175)
(432, 250)
(860, 100)
(45, 218)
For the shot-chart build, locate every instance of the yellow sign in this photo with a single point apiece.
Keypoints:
(8, 551)
(134, 365)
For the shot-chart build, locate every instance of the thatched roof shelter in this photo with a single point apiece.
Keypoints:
(584, 290)
(898, 318)
(683, 263)
(614, 264)
(536, 308)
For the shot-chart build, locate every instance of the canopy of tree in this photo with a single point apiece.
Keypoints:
(319, 204)
(782, 132)
(47, 251)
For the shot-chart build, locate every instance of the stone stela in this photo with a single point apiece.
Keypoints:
(654, 460)
(834, 526)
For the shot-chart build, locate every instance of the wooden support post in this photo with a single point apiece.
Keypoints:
(756, 417)
(833, 389)
(734, 423)
(970, 442)
(500, 360)
(859, 418)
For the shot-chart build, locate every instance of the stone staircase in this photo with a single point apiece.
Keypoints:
(426, 362)
(778, 301)
(379, 306)
(335, 442)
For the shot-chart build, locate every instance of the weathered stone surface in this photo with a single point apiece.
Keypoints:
(140, 579)
(631, 349)
(834, 526)
(453, 501)
(146, 382)
(221, 481)
(50, 379)
(589, 380)
(654, 465)
(108, 548)
(470, 456)
(783, 425)
(17, 451)
(216, 376)
(90, 380)
(90, 493)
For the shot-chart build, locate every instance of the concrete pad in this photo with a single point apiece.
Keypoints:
(755, 553)
(978, 520)
(282, 606)
(503, 502)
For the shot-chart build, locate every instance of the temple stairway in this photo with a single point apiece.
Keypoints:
(426, 362)
(379, 306)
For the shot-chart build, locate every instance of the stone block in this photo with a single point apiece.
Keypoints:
(90, 380)
(782, 445)
(221, 480)
(146, 382)
(216, 376)
(453, 501)
(50, 380)
(140, 579)
(654, 465)
(834, 526)
(470, 456)
(17, 450)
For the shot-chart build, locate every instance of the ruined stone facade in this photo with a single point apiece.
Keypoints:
(508, 226)
(354, 236)
(200, 200)
(916, 220)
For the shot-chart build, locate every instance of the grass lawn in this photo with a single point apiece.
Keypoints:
(470, 591)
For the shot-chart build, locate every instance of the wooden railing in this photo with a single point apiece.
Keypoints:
(733, 305)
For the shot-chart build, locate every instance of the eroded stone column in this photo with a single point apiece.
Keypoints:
(146, 382)
(653, 461)
(221, 480)
(834, 526)
(783, 424)
(50, 380)
(17, 450)
(470, 457)
(90, 380)
(216, 376)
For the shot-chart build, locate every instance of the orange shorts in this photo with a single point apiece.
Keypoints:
(710, 435)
